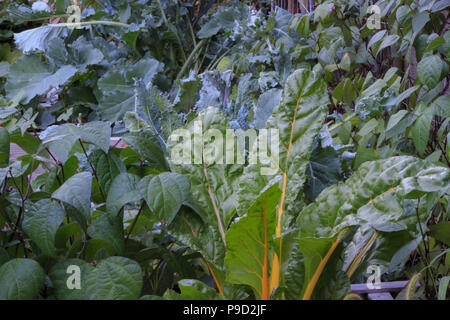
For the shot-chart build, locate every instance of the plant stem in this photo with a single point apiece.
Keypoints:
(93, 171)
(88, 23)
(189, 60)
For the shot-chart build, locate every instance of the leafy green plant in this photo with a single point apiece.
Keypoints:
(362, 176)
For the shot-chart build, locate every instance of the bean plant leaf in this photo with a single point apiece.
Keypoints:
(116, 278)
(76, 192)
(41, 224)
(166, 193)
(21, 279)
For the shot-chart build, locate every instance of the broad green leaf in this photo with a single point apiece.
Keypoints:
(197, 290)
(266, 103)
(21, 279)
(324, 170)
(441, 231)
(148, 146)
(118, 88)
(429, 71)
(387, 42)
(4, 147)
(107, 166)
(27, 142)
(298, 119)
(189, 228)
(373, 195)
(421, 131)
(441, 106)
(166, 193)
(395, 119)
(123, 190)
(29, 77)
(96, 132)
(110, 231)
(377, 37)
(76, 192)
(213, 180)
(250, 245)
(419, 21)
(405, 94)
(80, 54)
(117, 96)
(38, 38)
(61, 139)
(41, 223)
(116, 278)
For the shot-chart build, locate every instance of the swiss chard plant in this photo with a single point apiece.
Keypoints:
(213, 150)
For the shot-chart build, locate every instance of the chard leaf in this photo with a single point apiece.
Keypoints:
(250, 245)
(213, 183)
(372, 196)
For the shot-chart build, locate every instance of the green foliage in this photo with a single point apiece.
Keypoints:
(362, 177)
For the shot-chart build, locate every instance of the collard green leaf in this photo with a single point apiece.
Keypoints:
(116, 278)
(38, 38)
(21, 279)
(41, 223)
(266, 103)
(29, 77)
(80, 54)
(118, 88)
